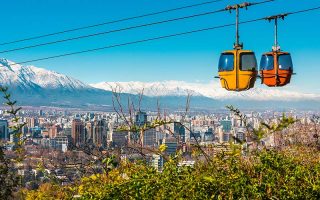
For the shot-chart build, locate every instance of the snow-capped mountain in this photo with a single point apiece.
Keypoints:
(152, 89)
(210, 90)
(12, 74)
(33, 86)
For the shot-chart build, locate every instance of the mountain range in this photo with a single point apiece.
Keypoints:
(211, 90)
(33, 86)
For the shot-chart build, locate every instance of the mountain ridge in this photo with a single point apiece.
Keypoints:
(33, 86)
(15, 74)
(209, 90)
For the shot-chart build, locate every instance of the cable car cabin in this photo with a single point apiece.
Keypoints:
(237, 70)
(276, 68)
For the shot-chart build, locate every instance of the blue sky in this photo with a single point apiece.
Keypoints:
(189, 58)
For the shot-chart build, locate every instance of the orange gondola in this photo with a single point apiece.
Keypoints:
(276, 67)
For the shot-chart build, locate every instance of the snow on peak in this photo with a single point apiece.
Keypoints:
(210, 90)
(154, 89)
(15, 74)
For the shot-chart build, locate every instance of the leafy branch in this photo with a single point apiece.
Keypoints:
(256, 135)
(16, 126)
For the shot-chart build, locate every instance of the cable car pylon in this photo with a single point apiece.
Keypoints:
(237, 67)
(276, 67)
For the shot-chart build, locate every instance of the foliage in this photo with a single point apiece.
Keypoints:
(284, 123)
(163, 148)
(9, 181)
(264, 175)
(109, 163)
(255, 135)
(16, 126)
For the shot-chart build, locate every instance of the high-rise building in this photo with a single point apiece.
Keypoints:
(77, 132)
(141, 118)
(40, 113)
(172, 146)
(152, 137)
(45, 133)
(226, 125)
(120, 138)
(239, 133)
(36, 132)
(14, 138)
(62, 142)
(67, 131)
(179, 131)
(31, 122)
(208, 135)
(89, 132)
(41, 121)
(4, 130)
(100, 128)
(220, 134)
(54, 130)
(157, 162)
(195, 136)
(91, 116)
(226, 137)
